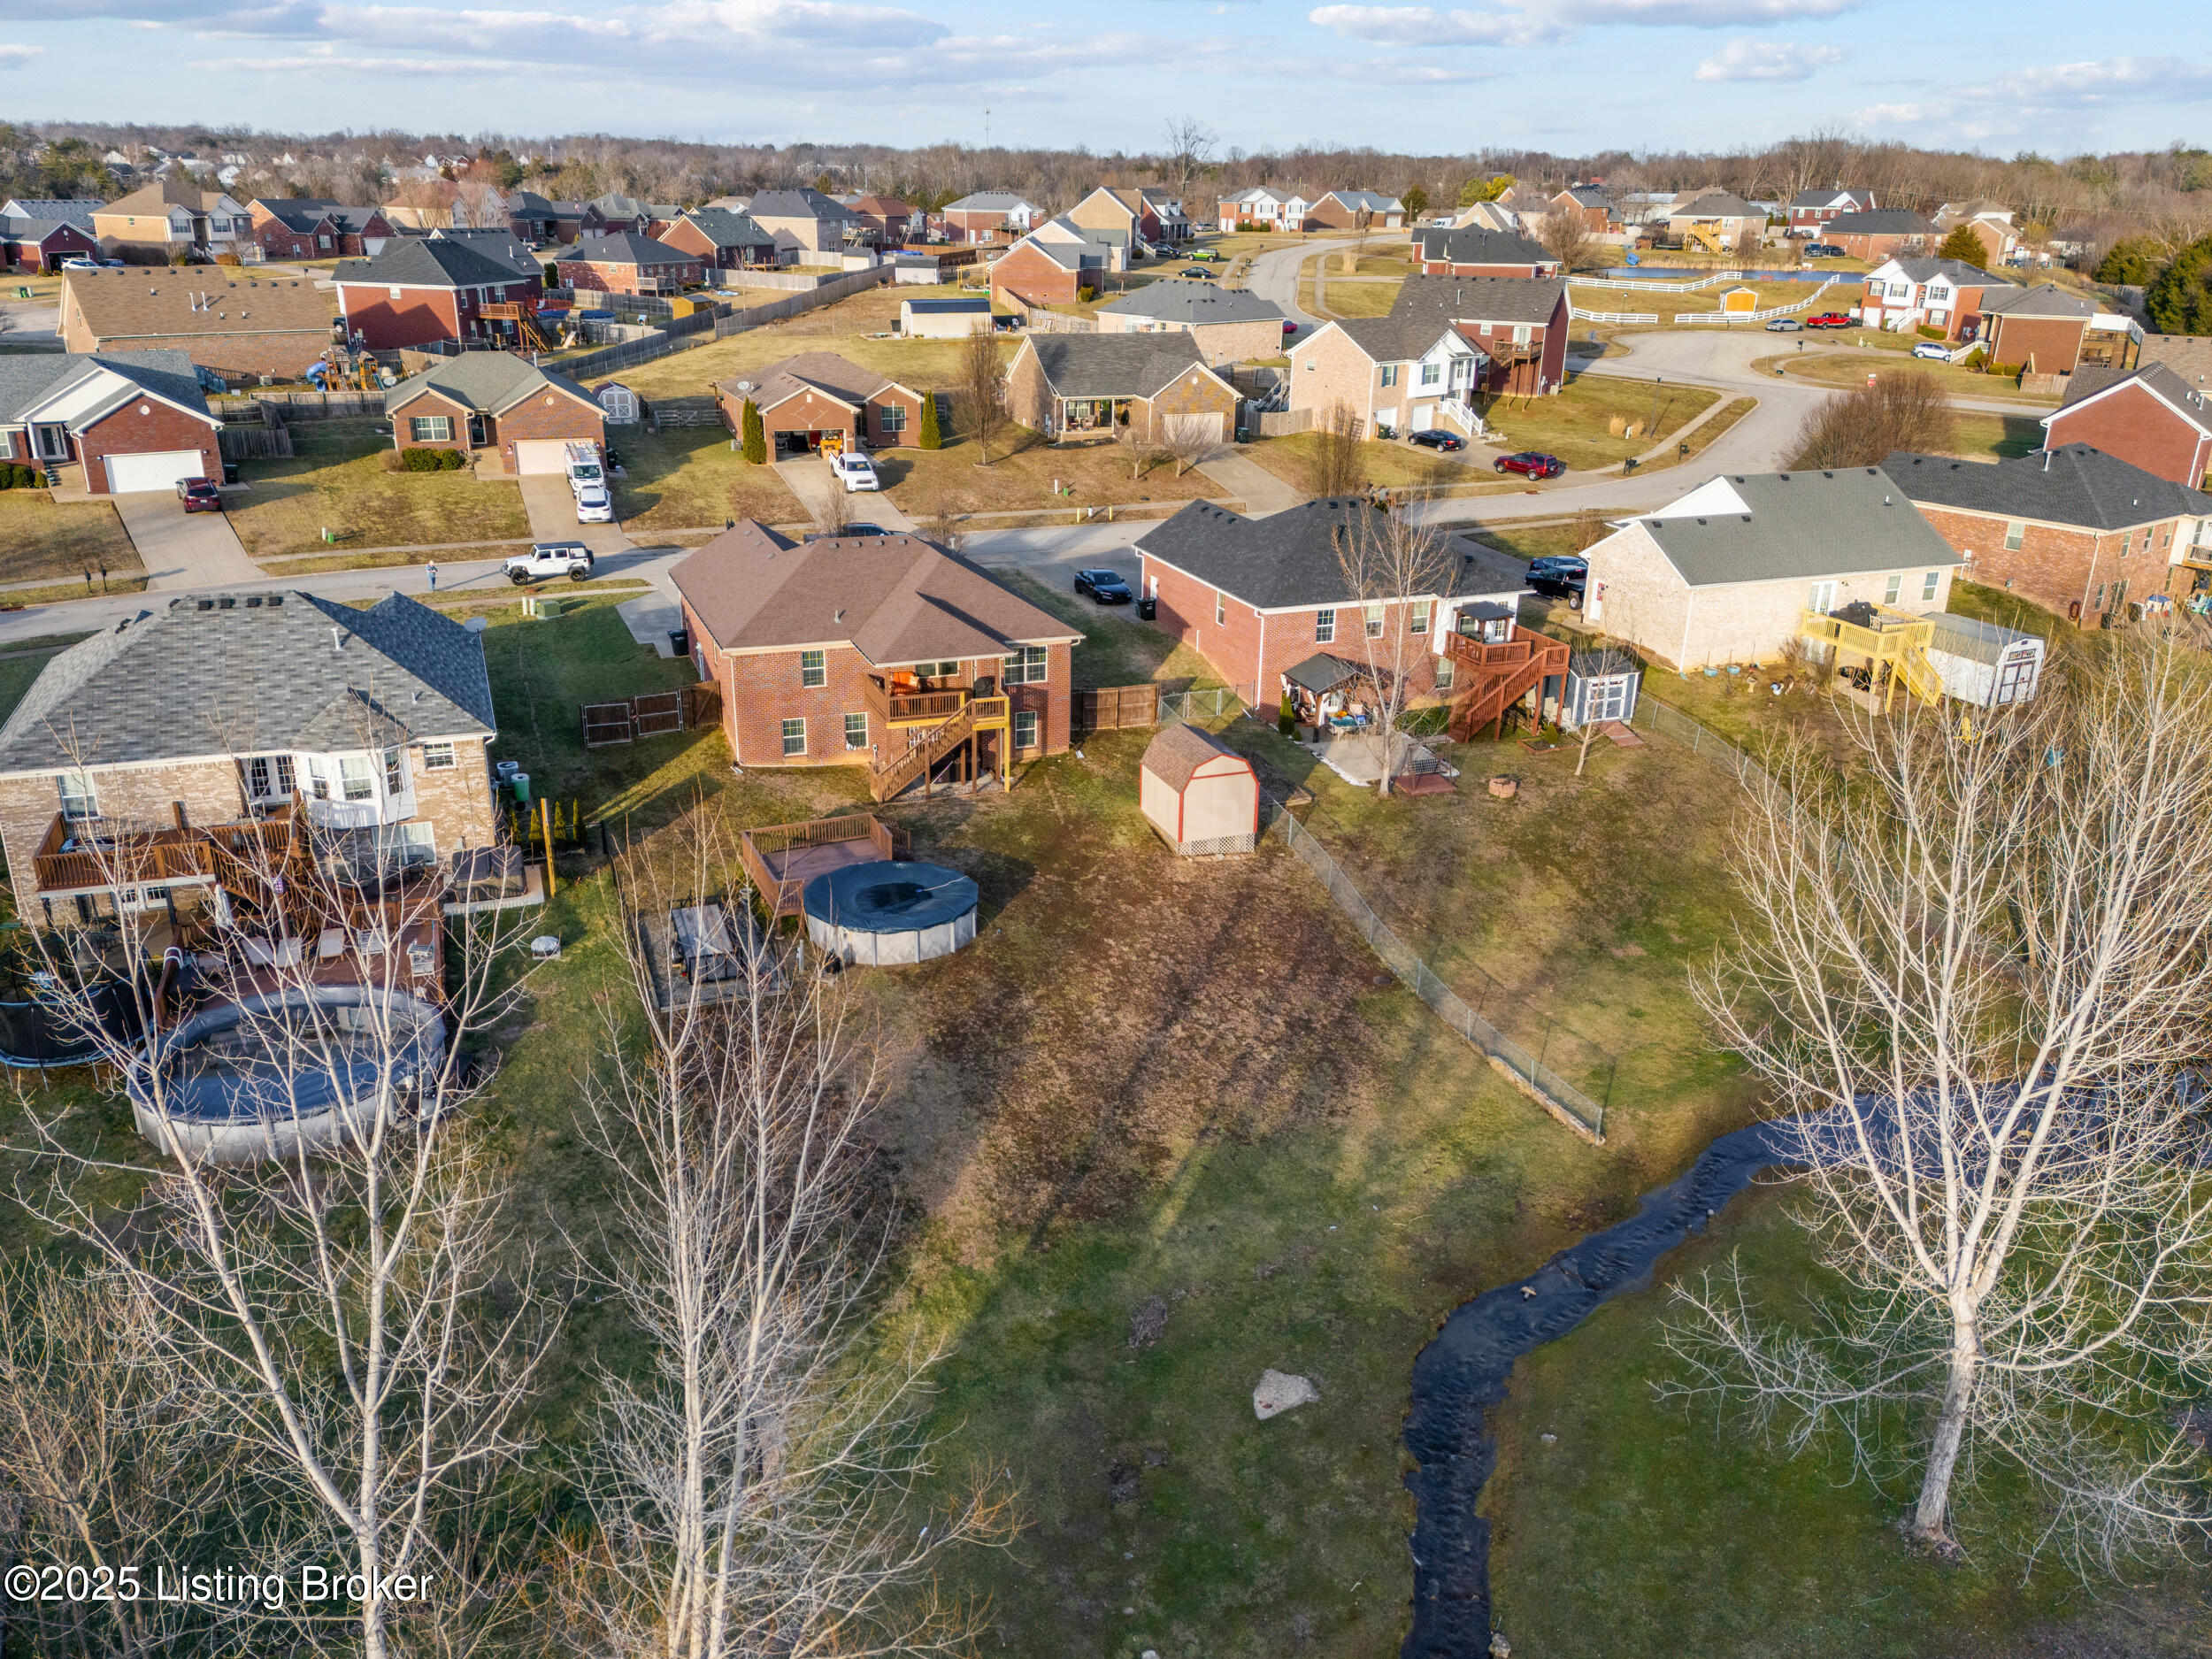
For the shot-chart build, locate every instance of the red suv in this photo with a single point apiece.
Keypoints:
(1532, 464)
(199, 495)
(1828, 320)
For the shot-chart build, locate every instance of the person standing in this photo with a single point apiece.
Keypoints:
(431, 570)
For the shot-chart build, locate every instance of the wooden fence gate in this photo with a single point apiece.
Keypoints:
(651, 713)
(1116, 708)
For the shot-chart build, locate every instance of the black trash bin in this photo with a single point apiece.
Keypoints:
(230, 471)
(679, 642)
(1147, 610)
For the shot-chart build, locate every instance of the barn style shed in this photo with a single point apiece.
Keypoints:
(1201, 795)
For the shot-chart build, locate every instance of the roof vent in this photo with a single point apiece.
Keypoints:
(1700, 521)
(207, 604)
(1886, 501)
(337, 639)
(275, 599)
(253, 602)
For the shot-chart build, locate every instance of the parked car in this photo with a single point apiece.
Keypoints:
(1828, 320)
(1437, 438)
(1198, 271)
(1290, 328)
(594, 505)
(855, 471)
(1823, 250)
(199, 495)
(81, 264)
(851, 529)
(1532, 464)
(1934, 349)
(1106, 587)
(1785, 325)
(583, 466)
(571, 559)
(1561, 576)
(1559, 564)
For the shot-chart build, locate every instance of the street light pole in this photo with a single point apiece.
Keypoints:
(1657, 380)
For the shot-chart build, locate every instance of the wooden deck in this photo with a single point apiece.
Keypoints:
(781, 858)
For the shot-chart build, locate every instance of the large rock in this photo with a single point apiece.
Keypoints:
(1279, 1392)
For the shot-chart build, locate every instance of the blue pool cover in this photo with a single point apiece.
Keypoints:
(885, 897)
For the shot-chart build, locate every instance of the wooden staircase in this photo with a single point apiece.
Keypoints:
(1491, 679)
(888, 778)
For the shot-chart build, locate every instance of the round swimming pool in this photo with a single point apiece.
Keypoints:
(882, 914)
(262, 1077)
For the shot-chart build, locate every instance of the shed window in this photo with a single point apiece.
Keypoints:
(1324, 626)
(1928, 585)
(856, 730)
(431, 428)
(795, 737)
(1026, 729)
(79, 800)
(813, 668)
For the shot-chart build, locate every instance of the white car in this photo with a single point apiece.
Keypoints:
(571, 559)
(1930, 349)
(594, 505)
(858, 471)
(81, 264)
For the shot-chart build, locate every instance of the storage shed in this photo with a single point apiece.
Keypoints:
(1201, 795)
(1601, 685)
(1983, 665)
(618, 403)
(953, 319)
(1740, 300)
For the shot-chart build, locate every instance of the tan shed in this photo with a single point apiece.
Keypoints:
(1201, 795)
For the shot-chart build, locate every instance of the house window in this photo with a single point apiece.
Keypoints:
(405, 845)
(360, 782)
(77, 801)
(813, 668)
(268, 777)
(1432, 373)
(437, 757)
(1221, 609)
(2016, 533)
(317, 777)
(855, 731)
(1324, 626)
(394, 771)
(1419, 617)
(1891, 589)
(795, 737)
(395, 297)
(890, 420)
(1374, 622)
(1444, 674)
(1026, 729)
(1820, 598)
(1026, 666)
(431, 428)
(1928, 585)
(322, 241)
(1389, 374)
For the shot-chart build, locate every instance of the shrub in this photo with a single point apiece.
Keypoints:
(454, 460)
(1928, 331)
(228, 258)
(423, 460)
(933, 436)
(393, 460)
(28, 477)
(1087, 294)
(755, 436)
(1286, 718)
(7, 478)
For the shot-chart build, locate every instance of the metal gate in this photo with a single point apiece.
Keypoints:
(650, 714)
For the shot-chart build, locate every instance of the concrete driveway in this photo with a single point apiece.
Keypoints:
(551, 505)
(182, 549)
(810, 479)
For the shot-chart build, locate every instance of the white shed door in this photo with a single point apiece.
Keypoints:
(128, 475)
(542, 455)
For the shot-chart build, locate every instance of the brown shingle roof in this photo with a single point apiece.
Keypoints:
(138, 304)
(819, 370)
(153, 201)
(896, 599)
(1178, 751)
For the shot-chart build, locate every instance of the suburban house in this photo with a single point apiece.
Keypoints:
(722, 239)
(496, 242)
(1487, 215)
(1874, 233)
(1264, 204)
(131, 420)
(1588, 202)
(307, 227)
(1229, 324)
(1908, 291)
(498, 401)
(238, 325)
(143, 755)
(1519, 324)
(173, 216)
(538, 221)
(1811, 211)
(37, 234)
(1055, 261)
(1475, 252)
(2050, 330)
(991, 216)
(627, 262)
(1991, 222)
(2189, 356)
(604, 215)
(805, 398)
(1716, 221)
(1067, 385)
(2150, 418)
(1355, 210)
(859, 651)
(1408, 372)
(1134, 214)
(803, 219)
(1257, 597)
(425, 290)
(884, 221)
(1728, 572)
(2073, 529)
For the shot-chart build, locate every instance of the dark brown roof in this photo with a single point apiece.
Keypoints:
(896, 599)
(133, 304)
(818, 371)
(1175, 756)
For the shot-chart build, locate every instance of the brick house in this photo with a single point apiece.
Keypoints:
(537, 221)
(1991, 224)
(1599, 212)
(1053, 264)
(308, 228)
(131, 420)
(1391, 371)
(803, 221)
(884, 221)
(1721, 215)
(171, 216)
(2150, 418)
(1255, 597)
(497, 243)
(1069, 385)
(37, 234)
(1811, 211)
(370, 726)
(1264, 204)
(2079, 532)
(1911, 289)
(494, 400)
(239, 326)
(1229, 324)
(841, 650)
(427, 290)
(614, 212)
(1519, 324)
(1138, 213)
(805, 398)
(984, 215)
(1725, 573)
(723, 240)
(1874, 233)
(1349, 210)
(625, 262)
(1477, 252)
(2052, 330)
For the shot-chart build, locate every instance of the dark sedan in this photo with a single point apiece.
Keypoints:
(1437, 438)
(1532, 464)
(1106, 587)
(1562, 576)
(199, 495)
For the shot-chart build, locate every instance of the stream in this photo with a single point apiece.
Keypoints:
(1462, 1373)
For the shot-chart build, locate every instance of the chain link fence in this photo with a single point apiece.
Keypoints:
(1671, 722)
(1201, 705)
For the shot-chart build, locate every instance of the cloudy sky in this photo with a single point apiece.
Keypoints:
(1572, 76)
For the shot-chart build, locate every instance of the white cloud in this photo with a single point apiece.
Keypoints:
(2105, 80)
(13, 57)
(1425, 25)
(1700, 14)
(1744, 59)
(1902, 114)
(1525, 25)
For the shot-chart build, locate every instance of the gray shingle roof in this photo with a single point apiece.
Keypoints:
(485, 381)
(1880, 221)
(823, 371)
(1112, 365)
(180, 682)
(2194, 403)
(1474, 245)
(1481, 299)
(624, 247)
(29, 378)
(1373, 201)
(726, 228)
(1921, 269)
(989, 201)
(1289, 560)
(2072, 484)
(1396, 338)
(801, 203)
(501, 244)
(2045, 299)
(1802, 526)
(1718, 204)
(1195, 303)
(973, 306)
(49, 213)
(426, 262)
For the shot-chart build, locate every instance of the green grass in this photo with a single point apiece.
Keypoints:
(16, 675)
(1994, 604)
(1886, 351)
(41, 537)
(1391, 464)
(1573, 423)
(1997, 437)
(336, 480)
(684, 478)
(1115, 649)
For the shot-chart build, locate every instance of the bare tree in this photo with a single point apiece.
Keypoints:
(1190, 146)
(1190, 440)
(949, 530)
(1903, 410)
(754, 1484)
(983, 391)
(1567, 238)
(1138, 447)
(1395, 571)
(478, 201)
(1334, 465)
(1973, 972)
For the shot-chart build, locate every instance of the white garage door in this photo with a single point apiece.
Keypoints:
(542, 455)
(127, 473)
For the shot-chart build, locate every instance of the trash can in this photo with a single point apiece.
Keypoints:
(679, 642)
(1147, 610)
(521, 781)
(230, 471)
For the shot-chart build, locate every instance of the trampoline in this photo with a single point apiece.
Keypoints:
(228, 1089)
(884, 913)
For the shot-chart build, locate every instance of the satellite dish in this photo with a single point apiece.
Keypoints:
(744, 385)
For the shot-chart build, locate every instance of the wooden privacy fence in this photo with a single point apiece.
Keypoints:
(650, 714)
(1116, 708)
(255, 444)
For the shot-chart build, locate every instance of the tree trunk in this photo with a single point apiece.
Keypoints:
(1943, 1454)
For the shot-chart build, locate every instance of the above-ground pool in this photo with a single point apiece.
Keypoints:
(883, 913)
(260, 1077)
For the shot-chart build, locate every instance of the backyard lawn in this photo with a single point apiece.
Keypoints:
(1666, 307)
(41, 538)
(1023, 470)
(1393, 465)
(1997, 437)
(688, 477)
(336, 479)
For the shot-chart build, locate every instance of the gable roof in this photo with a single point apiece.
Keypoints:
(882, 206)
(181, 682)
(1878, 221)
(1475, 245)
(1175, 300)
(1113, 365)
(1795, 526)
(94, 383)
(990, 202)
(1924, 268)
(895, 599)
(76, 210)
(2189, 356)
(804, 203)
(2191, 403)
(614, 204)
(1176, 753)
(623, 247)
(1373, 201)
(435, 262)
(137, 305)
(530, 205)
(1395, 337)
(1823, 198)
(497, 242)
(1716, 205)
(2045, 299)
(487, 383)
(812, 371)
(726, 228)
(1481, 299)
(155, 199)
(2072, 484)
(1289, 560)
(303, 212)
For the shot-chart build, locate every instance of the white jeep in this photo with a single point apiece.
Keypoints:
(571, 559)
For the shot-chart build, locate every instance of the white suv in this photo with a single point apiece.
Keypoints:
(594, 505)
(857, 469)
(571, 559)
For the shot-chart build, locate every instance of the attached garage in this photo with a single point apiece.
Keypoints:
(542, 455)
(161, 471)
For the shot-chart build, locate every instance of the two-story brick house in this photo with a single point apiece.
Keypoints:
(428, 291)
(2079, 532)
(724, 240)
(987, 216)
(497, 401)
(171, 216)
(627, 262)
(1392, 371)
(842, 650)
(807, 397)
(1477, 252)
(1874, 233)
(130, 421)
(308, 227)
(1067, 385)
(1810, 212)
(1911, 289)
(2149, 417)
(138, 749)
(1519, 323)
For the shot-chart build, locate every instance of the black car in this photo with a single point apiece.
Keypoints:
(1823, 250)
(849, 530)
(1437, 438)
(1557, 564)
(1106, 587)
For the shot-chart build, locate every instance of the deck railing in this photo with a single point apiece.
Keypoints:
(914, 707)
(781, 894)
(100, 852)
